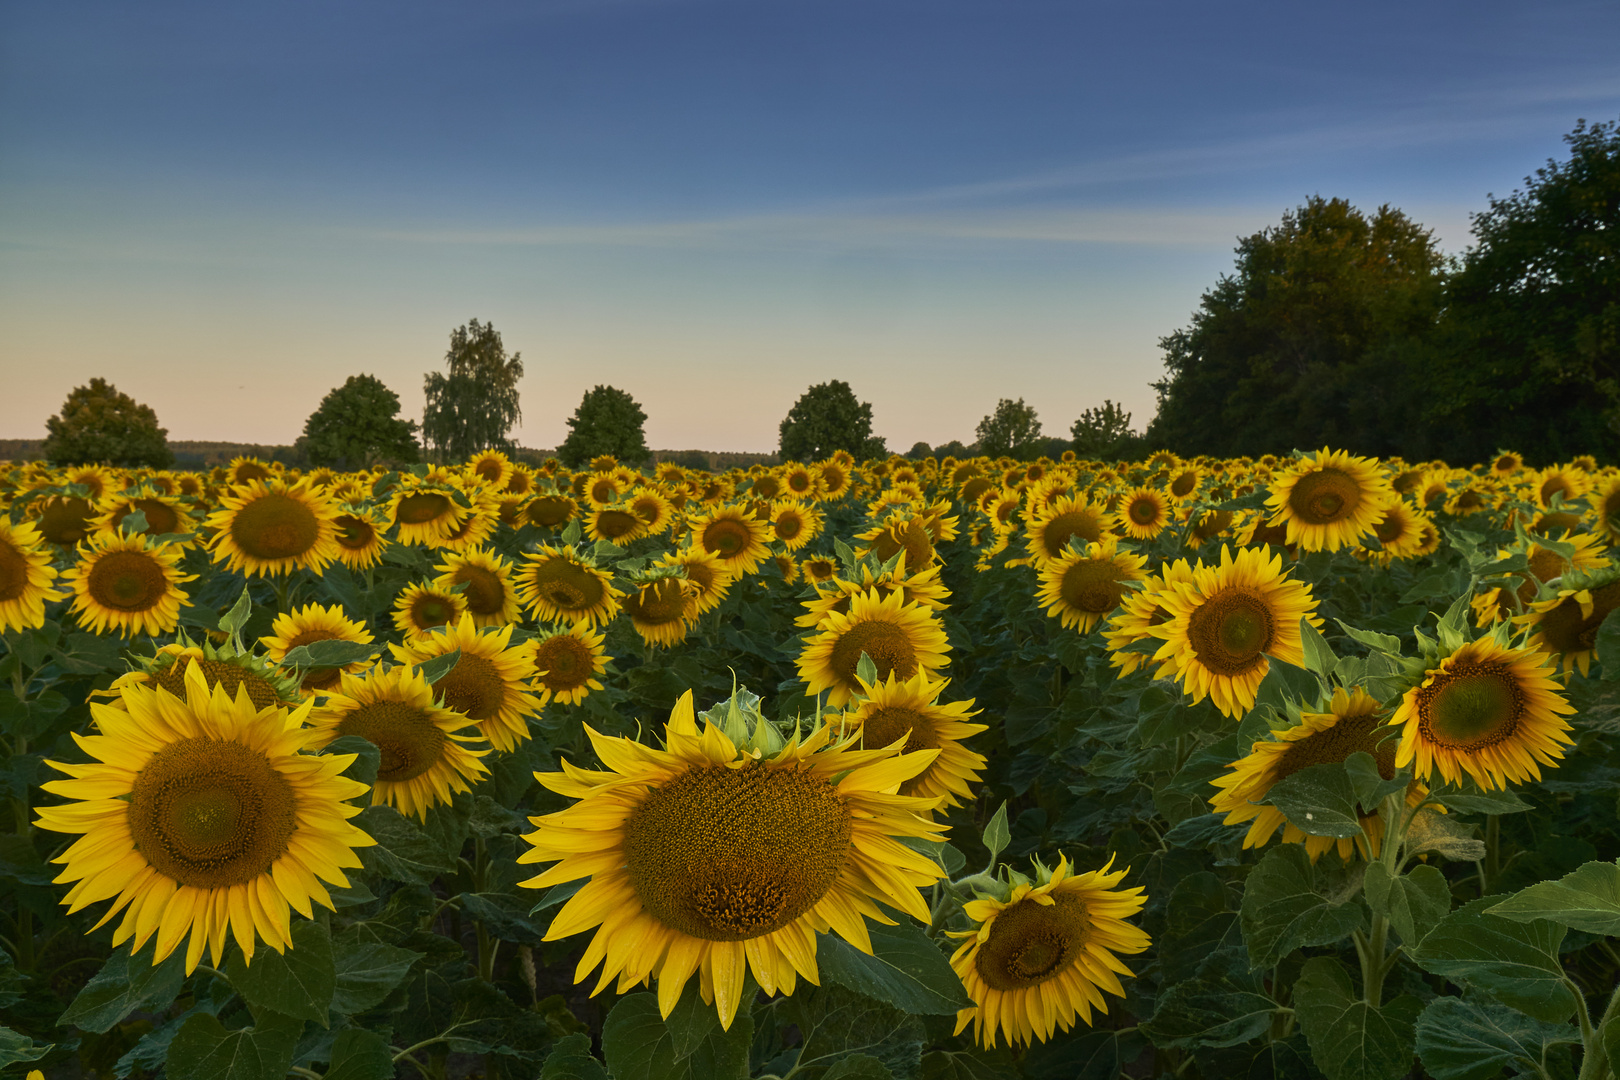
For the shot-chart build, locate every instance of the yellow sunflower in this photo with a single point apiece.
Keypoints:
(923, 588)
(708, 576)
(1138, 614)
(735, 535)
(1084, 584)
(125, 583)
(426, 513)
(165, 516)
(1226, 621)
(795, 524)
(550, 510)
(900, 533)
(1066, 517)
(26, 577)
(273, 527)
(787, 567)
(1567, 625)
(660, 605)
(490, 596)
(567, 663)
(818, 569)
(1506, 463)
(489, 683)
(1142, 514)
(306, 626)
(1399, 532)
(1184, 483)
(710, 859)
(615, 523)
(420, 609)
(834, 478)
(1569, 483)
(201, 816)
(910, 709)
(245, 470)
(424, 756)
(1606, 510)
(63, 520)
(1489, 711)
(557, 585)
(1330, 499)
(490, 468)
(653, 509)
(1044, 951)
(900, 638)
(1545, 564)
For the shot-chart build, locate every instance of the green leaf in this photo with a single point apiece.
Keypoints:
(1319, 658)
(1414, 902)
(329, 653)
(638, 1045)
(1286, 906)
(996, 834)
(1609, 1039)
(124, 984)
(360, 1055)
(233, 620)
(984, 1065)
(572, 533)
(296, 983)
(1349, 1039)
(834, 1024)
(1608, 645)
(906, 970)
(403, 852)
(1453, 628)
(858, 1067)
(1093, 1055)
(204, 1050)
(1481, 802)
(439, 666)
(866, 670)
(366, 972)
(1369, 785)
(1214, 1009)
(1444, 835)
(1469, 1039)
(571, 1059)
(1586, 899)
(1319, 800)
(134, 521)
(1516, 963)
(18, 1049)
(1384, 643)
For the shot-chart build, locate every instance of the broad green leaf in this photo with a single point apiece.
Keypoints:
(906, 970)
(1368, 783)
(1349, 1039)
(1453, 626)
(329, 653)
(1443, 835)
(403, 852)
(996, 834)
(638, 1045)
(1287, 905)
(866, 670)
(1385, 643)
(296, 983)
(858, 1067)
(124, 984)
(1609, 1039)
(982, 1065)
(1212, 1010)
(205, 1050)
(834, 1024)
(1475, 1039)
(439, 666)
(367, 972)
(571, 1059)
(18, 1049)
(134, 522)
(1516, 963)
(1414, 902)
(1319, 800)
(1082, 1055)
(360, 1055)
(1587, 899)
(1481, 802)
(233, 620)
(1319, 658)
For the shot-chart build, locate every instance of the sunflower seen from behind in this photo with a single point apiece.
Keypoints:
(488, 684)
(27, 578)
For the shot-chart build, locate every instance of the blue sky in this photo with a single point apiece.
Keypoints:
(227, 210)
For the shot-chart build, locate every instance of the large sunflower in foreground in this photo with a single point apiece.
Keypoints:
(1488, 711)
(273, 527)
(900, 638)
(910, 709)
(306, 626)
(202, 817)
(125, 583)
(707, 859)
(425, 753)
(1046, 953)
(556, 585)
(1226, 621)
(1081, 586)
(1329, 500)
(26, 577)
(489, 683)
(567, 663)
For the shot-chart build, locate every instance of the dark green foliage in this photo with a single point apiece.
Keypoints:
(356, 424)
(1012, 429)
(1104, 432)
(608, 421)
(475, 405)
(919, 450)
(99, 423)
(828, 417)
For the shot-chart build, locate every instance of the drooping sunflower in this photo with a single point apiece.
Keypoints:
(910, 709)
(735, 535)
(1330, 499)
(1044, 951)
(490, 682)
(567, 663)
(124, 583)
(558, 585)
(420, 609)
(900, 638)
(1488, 711)
(549, 510)
(272, 527)
(795, 524)
(1226, 621)
(426, 754)
(26, 577)
(426, 512)
(660, 606)
(1142, 514)
(306, 626)
(1083, 585)
(1066, 517)
(201, 817)
(704, 858)
(1567, 625)
(489, 593)
(708, 576)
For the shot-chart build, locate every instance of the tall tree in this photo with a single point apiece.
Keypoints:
(1532, 355)
(826, 418)
(1322, 335)
(99, 423)
(1012, 429)
(356, 424)
(1102, 432)
(474, 406)
(608, 421)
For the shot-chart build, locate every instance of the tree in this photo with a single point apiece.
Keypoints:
(919, 450)
(827, 418)
(474, 406)
(356, 424)
(1012, 428)
(1324, 334)
(608, 421)
(98, 423)
(1532, 346)
(1102, 432)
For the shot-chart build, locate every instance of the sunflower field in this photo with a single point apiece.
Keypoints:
(942, 769)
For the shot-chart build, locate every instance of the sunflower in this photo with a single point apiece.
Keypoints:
(124, 582)
(767, 486)
(818, 569)
(1139, 612)
(490, 468)
(425, 758)
(1044, 951)
(1084, 584)
(1489, 711)
(910, 709)
(787, 567)
(426, 512)
(1606, 510)
(603, 489)
(223, 666)
(557, 585)
(615, 523)
(165, 516)
(482, 519)
(1143, 513)
(63, 520)
(272, 527)
(1399, 532)
(708, 576)
(900, 534)
(98, 478)
(899, 638)
(1211, 524)
(1545, 565)
(313, 623)
(1226, 621)
(735, 535)
(1567, 624)
(551, 511)
(1184, 483)
(1050, 529)
(795, 524)
(923, 588)
(654, 510)
(801, 481)
(1329, 500)
(26, 577)
(1506, 463)
(489, 683)
(567, 663)
(660, 606)
(201, 816)
(245, 470)
(709, 859)
(1569, 483)
(490, 596)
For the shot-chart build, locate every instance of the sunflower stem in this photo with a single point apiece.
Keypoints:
(1493, 839)
(1594, 1060)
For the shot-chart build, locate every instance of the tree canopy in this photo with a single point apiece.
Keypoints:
(826, 418)
(99, 423)
(1012, 429)
(358, 423)
(608, 421)
(474, 405)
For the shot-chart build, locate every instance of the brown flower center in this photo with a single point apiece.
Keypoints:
(127, 581)
(1324, 496)
(1231, 631)
(275, 526)
(473, 688)
(1030, 942)
(1470, 707)
(408, 741)
(888, 645)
